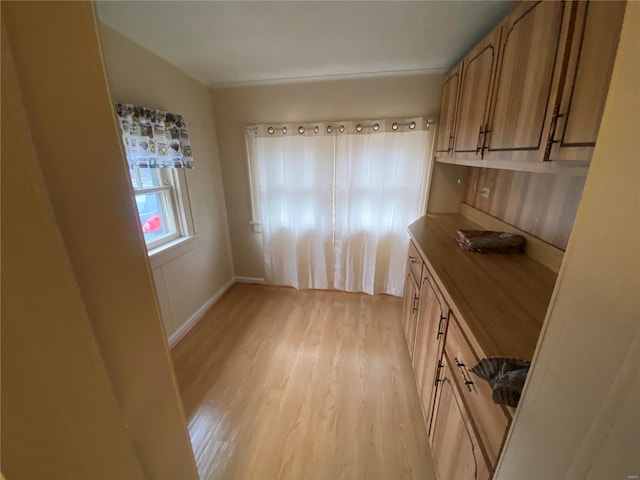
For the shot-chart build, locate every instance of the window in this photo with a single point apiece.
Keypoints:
(163, 206)
(158, 149)
(333, 201)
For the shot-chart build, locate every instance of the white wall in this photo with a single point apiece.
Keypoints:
(580, 414)
(188, 283)
(354, 99)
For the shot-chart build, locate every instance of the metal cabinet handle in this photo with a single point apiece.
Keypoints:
(461, 365)
(450, 146)
(485, 140)
(412, 259)
(438, 368)
(552, 131)
(440, 330)
(415, 306)
(479, 144)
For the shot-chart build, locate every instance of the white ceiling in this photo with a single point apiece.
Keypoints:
(237, 42)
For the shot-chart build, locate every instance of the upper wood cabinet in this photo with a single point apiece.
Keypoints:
(530, 62)
(480, 67)
(593, 51)
(448, 106)
(533, 89)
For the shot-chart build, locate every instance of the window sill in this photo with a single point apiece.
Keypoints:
(167, 252)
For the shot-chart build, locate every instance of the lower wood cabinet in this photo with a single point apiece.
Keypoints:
(431, 325)
(466, 428)
(455, 446)
(490, 421)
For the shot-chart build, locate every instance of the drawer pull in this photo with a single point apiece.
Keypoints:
(412, 259)
(440, 332)
(461, 365)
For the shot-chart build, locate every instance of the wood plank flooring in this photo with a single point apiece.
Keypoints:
(282, 383)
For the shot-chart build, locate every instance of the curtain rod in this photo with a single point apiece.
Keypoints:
(341, 128)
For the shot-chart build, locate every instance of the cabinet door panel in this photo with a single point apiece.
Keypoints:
(409, 309)
(593, 51)
(455, 447)
(430, 330)
(475, 94)
(529, 54)
(491, 421)
(448, 104)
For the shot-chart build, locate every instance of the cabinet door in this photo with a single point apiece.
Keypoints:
(593, 51)
(480, 67)
(430, 333)
(409, 310)
(448, 105)
(531, 57)
(455, 447)
(491, 421)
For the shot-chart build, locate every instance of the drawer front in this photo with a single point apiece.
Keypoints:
(415, 263)
(491, 421)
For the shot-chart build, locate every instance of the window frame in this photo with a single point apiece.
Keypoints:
(175, 202)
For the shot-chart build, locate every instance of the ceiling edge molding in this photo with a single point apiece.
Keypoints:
(320, 78)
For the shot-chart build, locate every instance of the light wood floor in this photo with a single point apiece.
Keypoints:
(281, 383)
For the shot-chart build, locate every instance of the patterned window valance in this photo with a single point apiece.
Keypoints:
(154, 139)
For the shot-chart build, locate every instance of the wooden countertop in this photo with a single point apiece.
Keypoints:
(499, 299)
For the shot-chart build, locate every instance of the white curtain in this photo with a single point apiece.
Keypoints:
(295, 177)
(378, 180)
(335, 205)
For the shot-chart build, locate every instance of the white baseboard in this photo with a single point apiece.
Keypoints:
(249, 280)
(195, 318)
